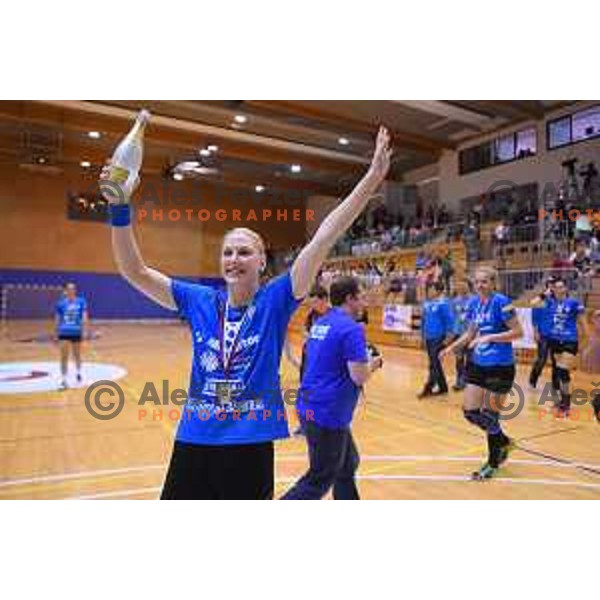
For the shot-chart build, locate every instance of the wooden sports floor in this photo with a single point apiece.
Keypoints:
(52, 448)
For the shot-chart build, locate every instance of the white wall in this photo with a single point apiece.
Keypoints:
(543, 168)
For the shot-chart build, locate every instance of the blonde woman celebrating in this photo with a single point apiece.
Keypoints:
(224, 443)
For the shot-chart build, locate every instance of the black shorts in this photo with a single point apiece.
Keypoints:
(557, 347)
(243, 472)
(494, 379)
(70, 337)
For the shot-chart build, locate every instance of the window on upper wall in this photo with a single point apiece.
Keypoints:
(504, 149)
(526, 143)
(576, 127)
(586, 124)
(559, 133)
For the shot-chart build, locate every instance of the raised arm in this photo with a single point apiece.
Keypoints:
(129, 261)
(309, 261)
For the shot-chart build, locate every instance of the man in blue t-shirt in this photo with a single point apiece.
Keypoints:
(540, 319)
(71, 318)
(437, 326)
(337, 366)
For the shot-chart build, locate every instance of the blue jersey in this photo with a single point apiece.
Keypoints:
(541, 319)
(70, 315)
(459, 308)
(562, 317)
(327, 389)
(437, 319)
(489, 317)
(235, 392)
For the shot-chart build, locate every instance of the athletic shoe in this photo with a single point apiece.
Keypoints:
(505, 451)
(439, 393)
(458, 388)
(424, 394)
(486, 472)
(63, 385)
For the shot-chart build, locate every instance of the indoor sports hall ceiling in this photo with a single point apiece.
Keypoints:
(308, 146)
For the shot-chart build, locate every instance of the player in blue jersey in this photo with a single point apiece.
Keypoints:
(460, 303)
(337, 366)
(493, 325)
(541, 321)
(437, 326)
(565, 316)
(71, 316)
(235, 410)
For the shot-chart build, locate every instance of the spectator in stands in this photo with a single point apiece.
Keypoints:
(502, 233)
(595, 252)
(581, 261)
(443, 216)
(386, 240)
(396, 285)
(583, 228)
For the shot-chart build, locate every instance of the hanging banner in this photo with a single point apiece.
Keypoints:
(397, 317)
(528, 339)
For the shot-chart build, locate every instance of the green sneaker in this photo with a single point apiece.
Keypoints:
(505, 451)
(486, 472)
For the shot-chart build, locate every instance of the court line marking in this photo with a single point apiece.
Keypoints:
(285, 458)
(434, 478)
(77, 475)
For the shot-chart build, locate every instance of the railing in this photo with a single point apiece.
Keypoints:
(402, 238)
(517, 282)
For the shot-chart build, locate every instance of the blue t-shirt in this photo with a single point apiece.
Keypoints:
(459, 308)
(70, 315)
(490, 317)
(562, 318)
(327, 389)
(437, 319)
(541, 319)
(235, 398)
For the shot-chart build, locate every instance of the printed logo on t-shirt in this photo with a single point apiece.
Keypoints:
(319, 332)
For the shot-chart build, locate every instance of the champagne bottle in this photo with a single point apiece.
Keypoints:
(126, 162)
